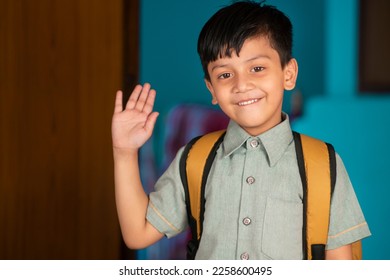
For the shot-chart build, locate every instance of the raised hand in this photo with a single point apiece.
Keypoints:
(133, 126)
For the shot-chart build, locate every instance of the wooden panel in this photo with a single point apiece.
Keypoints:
(131, 46)
(60, 65)
(374, 45)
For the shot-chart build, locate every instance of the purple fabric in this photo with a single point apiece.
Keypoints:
(184, 122)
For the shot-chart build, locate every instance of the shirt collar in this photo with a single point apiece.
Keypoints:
(275, 141)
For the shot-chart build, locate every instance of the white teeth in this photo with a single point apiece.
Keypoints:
(243, 103)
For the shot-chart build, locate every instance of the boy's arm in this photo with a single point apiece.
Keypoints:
(131, 128)
(341, 253)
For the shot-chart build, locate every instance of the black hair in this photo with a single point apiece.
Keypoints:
(228, 28)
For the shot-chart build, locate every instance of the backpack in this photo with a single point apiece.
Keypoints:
(317, 168)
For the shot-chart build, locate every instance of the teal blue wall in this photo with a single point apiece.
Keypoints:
(325, 45)
(357, 124)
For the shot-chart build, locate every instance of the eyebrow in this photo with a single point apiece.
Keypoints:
(248, 60)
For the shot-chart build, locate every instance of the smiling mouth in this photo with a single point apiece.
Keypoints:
(248, 102)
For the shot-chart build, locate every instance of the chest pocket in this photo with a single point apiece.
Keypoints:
(282, 230)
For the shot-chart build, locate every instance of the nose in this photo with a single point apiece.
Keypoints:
(242, 83)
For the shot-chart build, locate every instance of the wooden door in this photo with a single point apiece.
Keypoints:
(60, 65)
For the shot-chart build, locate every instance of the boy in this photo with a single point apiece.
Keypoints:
(254, 191)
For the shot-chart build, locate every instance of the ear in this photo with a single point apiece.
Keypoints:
(290, 74)
(211, 90)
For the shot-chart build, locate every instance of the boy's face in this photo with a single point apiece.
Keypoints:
(249, 88)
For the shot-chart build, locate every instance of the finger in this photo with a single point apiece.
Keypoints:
(143, 97)
(148, 108)
(134, 97)
(150, 122)
(118, 102)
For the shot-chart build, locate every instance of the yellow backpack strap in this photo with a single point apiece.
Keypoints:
(195, 164)
(317, 167)
(357, 250)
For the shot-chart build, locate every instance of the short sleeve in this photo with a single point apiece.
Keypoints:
(347, 222)
(167, 210)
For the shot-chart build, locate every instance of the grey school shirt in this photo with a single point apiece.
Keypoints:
(253, 195)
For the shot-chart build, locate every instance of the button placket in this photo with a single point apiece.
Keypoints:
(249, 181)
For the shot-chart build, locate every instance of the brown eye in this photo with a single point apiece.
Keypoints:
(257, 69)
(224, 76)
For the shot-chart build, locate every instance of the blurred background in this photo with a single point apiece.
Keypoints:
(62, 61)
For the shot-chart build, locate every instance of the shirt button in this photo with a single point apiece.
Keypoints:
(254, 143)
(244, 256)
(250, 180)
(246, 221)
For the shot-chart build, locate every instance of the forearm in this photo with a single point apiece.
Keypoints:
(341, 253)
(131, 201)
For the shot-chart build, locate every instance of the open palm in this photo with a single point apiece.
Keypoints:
(133, 126)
